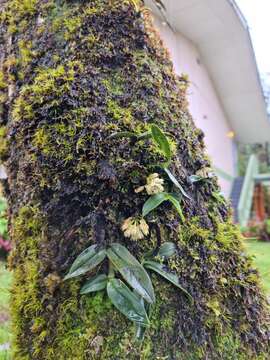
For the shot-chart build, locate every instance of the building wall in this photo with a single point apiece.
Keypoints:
(205, 105)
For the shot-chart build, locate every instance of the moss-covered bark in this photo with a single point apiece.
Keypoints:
(73, 73)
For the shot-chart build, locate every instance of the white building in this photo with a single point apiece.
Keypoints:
(211, 43)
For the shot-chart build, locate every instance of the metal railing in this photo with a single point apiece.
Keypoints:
(246, 197)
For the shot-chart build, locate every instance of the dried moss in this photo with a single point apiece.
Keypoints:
(82, 71)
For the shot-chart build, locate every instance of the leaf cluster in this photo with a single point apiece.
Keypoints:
(161, 141)
(132, 294)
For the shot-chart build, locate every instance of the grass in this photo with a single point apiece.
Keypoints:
(5, 282)
(260, 250)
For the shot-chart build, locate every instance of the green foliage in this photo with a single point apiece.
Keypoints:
(97, 283)
(153, 202)
(87, 261)
(195, 178)
(159, 268)
(131, 304)
(156, 200)
(176, 183)
(159, 138)
(163, 145)
(127, 302)
(174, 199)
(132, 271)
(161, 141)
(166, 250)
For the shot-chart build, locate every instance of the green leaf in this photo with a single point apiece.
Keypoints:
(159, 268)
(176, 183)
(127, 302)
(144, 136)
(97, 283)
(140, 330)
(132, 271)
(86, 261)
(177, 206)
(153, 202)
(162, 141)
(167, 250)
(196, 178)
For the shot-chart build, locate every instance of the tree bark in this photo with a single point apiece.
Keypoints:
(74, 73)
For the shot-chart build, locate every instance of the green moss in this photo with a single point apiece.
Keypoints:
(73, 334)
(193, 229)
(3, 83)
(24, 7)
(26, 296)
(120, 114)
(22, 110)
(229, 236)
(48, 82)
(41, 140)
(17, 12)
(26, 54)
(72, 25)
(3, 143)
(59, 139)
(114, 84)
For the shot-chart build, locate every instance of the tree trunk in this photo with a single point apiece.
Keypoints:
(74, 73)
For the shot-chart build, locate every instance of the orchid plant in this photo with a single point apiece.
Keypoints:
(133, 294)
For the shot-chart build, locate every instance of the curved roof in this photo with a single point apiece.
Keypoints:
(221, 34)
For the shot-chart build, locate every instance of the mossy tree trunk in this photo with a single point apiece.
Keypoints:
(73, 73)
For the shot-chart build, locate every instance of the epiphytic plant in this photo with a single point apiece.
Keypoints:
(135, 297)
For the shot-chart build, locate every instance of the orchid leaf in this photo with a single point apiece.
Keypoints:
(97, 283)
(167, 250)
(196, 178)
(159, 268)
(123, 134)
(86, 261)
(156, 200)
(176, 183)
(177, 205)
(132, 271)
(161, 141)
(153, 202)
(127, 302)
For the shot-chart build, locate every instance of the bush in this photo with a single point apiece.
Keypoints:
(265, 231)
